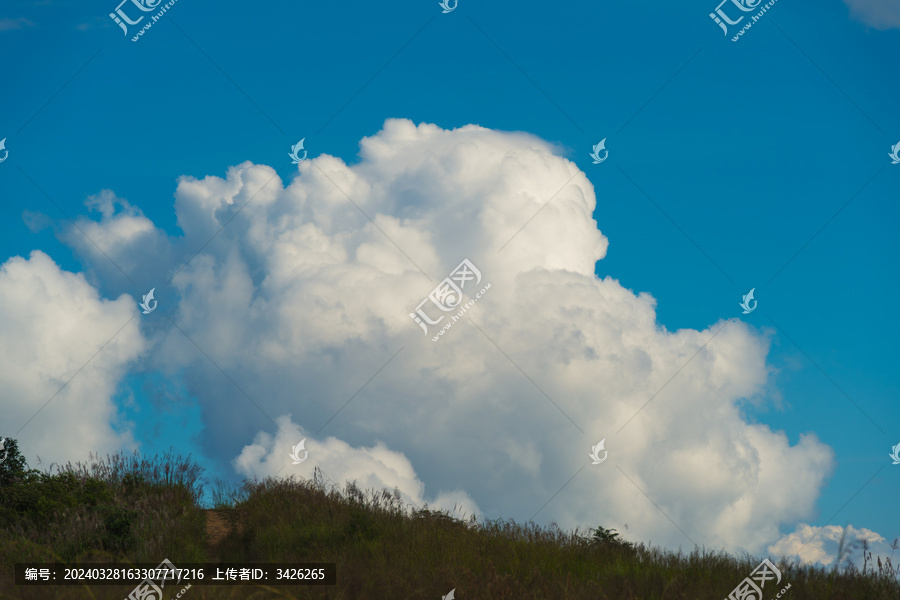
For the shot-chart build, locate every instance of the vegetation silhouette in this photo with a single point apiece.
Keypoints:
(135, 510)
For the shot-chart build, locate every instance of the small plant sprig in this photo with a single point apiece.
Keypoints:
(603, 536)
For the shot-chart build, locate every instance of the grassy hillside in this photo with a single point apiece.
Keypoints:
(134, 510)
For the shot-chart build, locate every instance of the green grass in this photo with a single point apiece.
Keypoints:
(134, 510)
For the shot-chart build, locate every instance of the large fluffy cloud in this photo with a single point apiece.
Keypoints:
(880, 14)
(64, 351)
(304, 302)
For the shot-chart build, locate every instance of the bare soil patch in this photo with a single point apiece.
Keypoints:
(218, 526)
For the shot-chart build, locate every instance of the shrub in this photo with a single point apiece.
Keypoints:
(13, 467)
(608, 537)
(118, 524)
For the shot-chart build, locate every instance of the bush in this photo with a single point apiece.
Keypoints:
(13, 467)
(118, 524)
(608, 537)
(361, 526)
(39, 498)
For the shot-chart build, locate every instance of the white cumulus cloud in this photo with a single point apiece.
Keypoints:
(64, 351)
(304, 298)
(821, 546)
(376, 468)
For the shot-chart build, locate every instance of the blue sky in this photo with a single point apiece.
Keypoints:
(761, 163)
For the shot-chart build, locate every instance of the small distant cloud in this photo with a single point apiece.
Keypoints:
(36, 221)
(97, 22)
(812, 545)
(880, 14)
(10, 24)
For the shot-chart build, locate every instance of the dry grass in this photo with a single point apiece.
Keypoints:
(135, 510)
